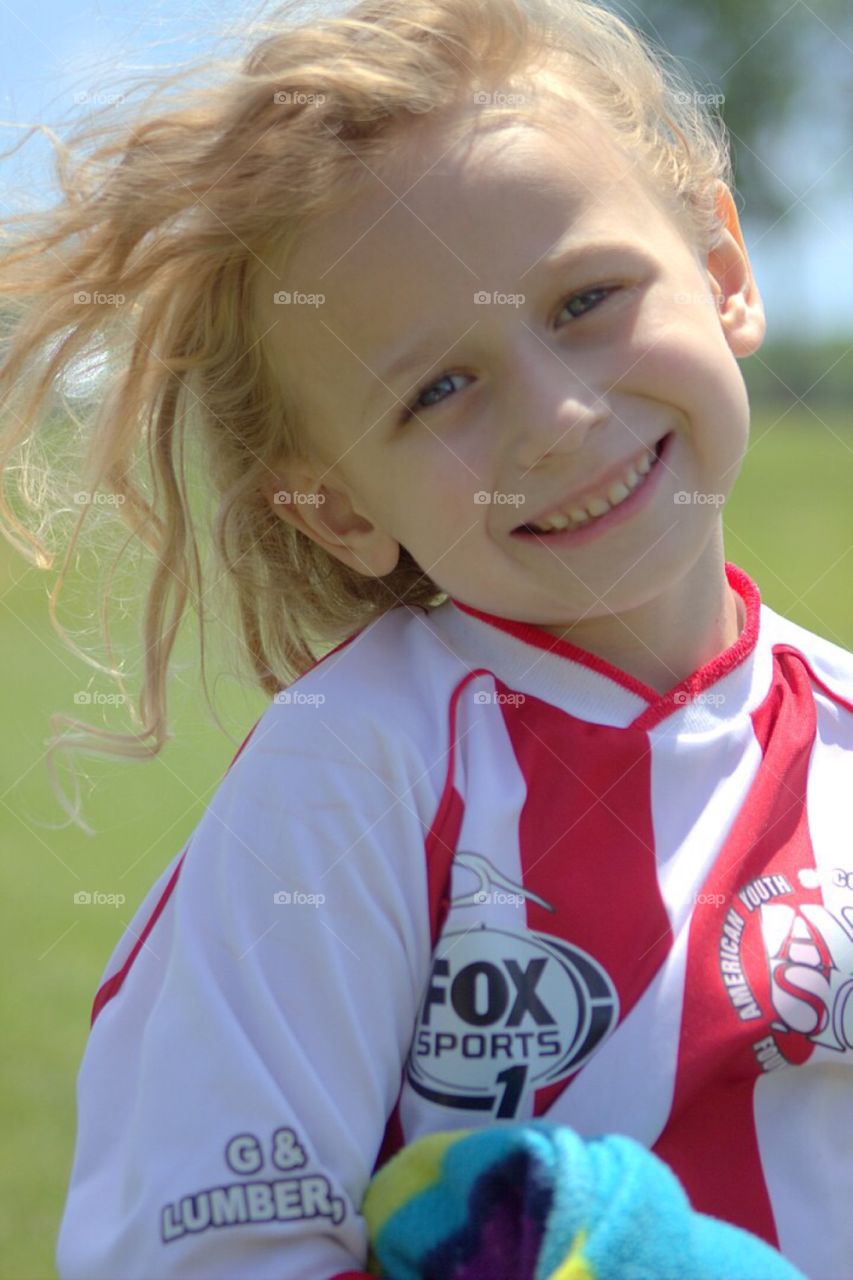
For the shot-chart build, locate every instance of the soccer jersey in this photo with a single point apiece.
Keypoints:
(462, 872)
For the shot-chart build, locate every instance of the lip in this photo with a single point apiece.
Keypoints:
(601, 485)
(632, 505)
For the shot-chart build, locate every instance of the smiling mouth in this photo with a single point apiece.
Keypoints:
(579, 515)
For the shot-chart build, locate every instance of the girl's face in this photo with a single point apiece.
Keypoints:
(459, 383)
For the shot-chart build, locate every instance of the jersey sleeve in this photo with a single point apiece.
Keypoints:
(236, 1084)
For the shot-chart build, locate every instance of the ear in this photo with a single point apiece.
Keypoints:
(326, 515)
(739, 303)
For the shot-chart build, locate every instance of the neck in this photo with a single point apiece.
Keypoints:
(666, 639)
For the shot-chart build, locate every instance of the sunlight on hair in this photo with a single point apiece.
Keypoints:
(132, 355)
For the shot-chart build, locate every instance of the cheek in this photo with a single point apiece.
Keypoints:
(445, 478)
(684, 359)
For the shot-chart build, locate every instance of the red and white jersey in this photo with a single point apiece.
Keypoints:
(463, 872)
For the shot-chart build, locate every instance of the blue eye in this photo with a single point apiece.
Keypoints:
(411, 408)
(589, 293)
(445, 377)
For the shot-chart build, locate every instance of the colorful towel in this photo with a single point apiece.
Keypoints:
(535, 1201)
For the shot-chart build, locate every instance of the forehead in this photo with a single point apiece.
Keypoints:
(444, 184)
(461, 205)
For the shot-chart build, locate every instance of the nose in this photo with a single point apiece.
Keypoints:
(552, 409)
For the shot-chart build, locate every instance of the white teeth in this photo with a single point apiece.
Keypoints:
(599, 506)
(617, 493)
(559, 521)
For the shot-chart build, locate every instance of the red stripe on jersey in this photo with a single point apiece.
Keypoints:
(440, 844)
(832, 693)
(660, 705)
(393, 1139)
(587, 845)
(113, 984)
(439, 851)
(710, 1140)
(539, 638)
(243, 743)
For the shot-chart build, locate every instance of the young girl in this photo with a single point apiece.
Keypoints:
(546, 818)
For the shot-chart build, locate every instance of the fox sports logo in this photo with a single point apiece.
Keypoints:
(504, 1013)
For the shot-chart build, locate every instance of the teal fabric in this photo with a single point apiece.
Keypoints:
(510, 1201)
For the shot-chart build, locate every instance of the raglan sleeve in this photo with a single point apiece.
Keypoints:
(236, 1084)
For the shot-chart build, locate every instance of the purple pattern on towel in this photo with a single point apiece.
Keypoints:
(508, 1213)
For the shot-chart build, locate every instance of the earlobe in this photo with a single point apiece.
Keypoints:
(739, 304)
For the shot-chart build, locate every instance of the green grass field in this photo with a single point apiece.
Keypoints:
(789, 525)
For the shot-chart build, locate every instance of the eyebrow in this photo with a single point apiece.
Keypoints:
(427, 349)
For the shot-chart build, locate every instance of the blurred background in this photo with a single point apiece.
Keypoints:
(784, 73)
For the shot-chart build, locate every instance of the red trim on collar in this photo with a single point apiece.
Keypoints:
(660, 704)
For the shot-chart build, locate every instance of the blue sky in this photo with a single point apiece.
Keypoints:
(52, 50)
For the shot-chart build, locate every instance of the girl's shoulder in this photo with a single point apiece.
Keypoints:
(382, 693)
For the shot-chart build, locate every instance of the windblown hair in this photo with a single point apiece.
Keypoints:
(151, 264)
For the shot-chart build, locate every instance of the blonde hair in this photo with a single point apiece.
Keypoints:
(169, 228)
